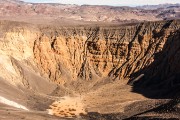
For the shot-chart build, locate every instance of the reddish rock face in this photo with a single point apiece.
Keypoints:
(67, 54)
(98, 52)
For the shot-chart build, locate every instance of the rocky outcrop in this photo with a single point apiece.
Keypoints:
(94, 53)
(17, 58)
(66, 54)
(164, 72)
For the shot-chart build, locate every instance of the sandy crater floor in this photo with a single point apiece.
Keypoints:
(67, 107)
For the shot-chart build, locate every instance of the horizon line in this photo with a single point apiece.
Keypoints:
(128, 5)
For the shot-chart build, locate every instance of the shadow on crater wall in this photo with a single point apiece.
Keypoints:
(161, 79)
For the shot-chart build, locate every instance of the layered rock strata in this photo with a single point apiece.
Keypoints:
(65, 54)
(94, 53)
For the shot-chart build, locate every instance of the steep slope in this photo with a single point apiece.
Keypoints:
(65, 54)
(98, 52)
(20, 81)
(40, 63)
(164, 71)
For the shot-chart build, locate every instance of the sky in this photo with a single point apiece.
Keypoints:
(107, 2)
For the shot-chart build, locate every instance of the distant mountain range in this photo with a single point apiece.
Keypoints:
(164, 6)
(9, 8)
